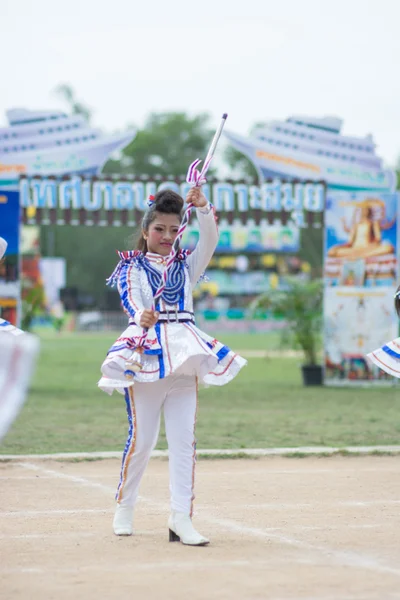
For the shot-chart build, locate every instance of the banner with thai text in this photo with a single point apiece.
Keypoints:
(102, 202)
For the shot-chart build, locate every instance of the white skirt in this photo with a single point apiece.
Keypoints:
(387, 357)
(178, 348)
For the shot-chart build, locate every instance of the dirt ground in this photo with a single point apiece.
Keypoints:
(315, 529)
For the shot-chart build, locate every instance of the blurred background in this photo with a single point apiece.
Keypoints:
(102, 105)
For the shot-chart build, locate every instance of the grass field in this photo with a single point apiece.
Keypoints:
(265, 406)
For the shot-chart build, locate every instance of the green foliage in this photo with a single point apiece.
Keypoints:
(264, 407)
(33, 303)
(90, 254)
(300, 305)
(166, 145)
(77, 108)
(311, 248)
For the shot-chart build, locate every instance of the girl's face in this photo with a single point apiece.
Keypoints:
(162, 233)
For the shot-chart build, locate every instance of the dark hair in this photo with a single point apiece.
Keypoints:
(397, 301)
(166, 202)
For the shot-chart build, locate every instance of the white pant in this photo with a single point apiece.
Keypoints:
(178, 395)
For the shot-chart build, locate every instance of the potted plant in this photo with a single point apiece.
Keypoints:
(299, 303)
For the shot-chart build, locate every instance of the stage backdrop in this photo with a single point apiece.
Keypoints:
(360, 272)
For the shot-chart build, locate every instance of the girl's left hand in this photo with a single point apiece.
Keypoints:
(196, 197)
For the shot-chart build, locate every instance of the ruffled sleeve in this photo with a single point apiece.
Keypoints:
(127, 277)
(198, 261)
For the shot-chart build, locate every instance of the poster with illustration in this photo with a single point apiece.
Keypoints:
(356, 321)
(361, 239)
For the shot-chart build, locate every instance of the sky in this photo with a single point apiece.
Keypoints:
(257, 60)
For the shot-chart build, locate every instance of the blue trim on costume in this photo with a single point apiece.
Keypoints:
(182, 299)
(391, 352)
(149, 352)
(123, 284)
(175, 280)
(157, 328)
(5, 323)
(116, 348)
(222, 353)
(128, 441)
(153, 352)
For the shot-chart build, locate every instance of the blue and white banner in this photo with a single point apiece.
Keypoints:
(80, 201)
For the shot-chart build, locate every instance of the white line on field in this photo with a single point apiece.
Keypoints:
(358, 470)
(271, 505)
(53, 512)
(57, 475)
(346, 558)
(308, 450)
(298, 505)
(41, 536)
(55, 534)
(170, 566)
(26, 478)
(300, 471)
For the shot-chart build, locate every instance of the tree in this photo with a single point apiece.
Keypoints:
(166, 146)
(77, 108)
(300, 305)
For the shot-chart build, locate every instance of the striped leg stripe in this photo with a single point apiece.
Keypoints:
(130, 442)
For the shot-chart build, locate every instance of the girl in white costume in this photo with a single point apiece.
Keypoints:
(387, 357)
(178, 356)
(5, 325)
(18, 352)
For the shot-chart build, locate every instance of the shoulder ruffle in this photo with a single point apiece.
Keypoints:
(136, 257)
(126, 257)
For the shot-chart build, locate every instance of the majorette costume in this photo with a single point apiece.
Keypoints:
(159, 369)
(387, 357)
(18, 351)
(175, 345)
(5, 326)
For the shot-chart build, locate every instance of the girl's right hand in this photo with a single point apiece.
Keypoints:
(148, 318)
(196, 197)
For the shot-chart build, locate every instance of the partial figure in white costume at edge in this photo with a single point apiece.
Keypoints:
(178, 356)
(18, 352)
(387, 357)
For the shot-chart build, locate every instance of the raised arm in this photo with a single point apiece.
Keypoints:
(208, 240)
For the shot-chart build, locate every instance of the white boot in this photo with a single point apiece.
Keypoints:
(181, 530)
(123, 517)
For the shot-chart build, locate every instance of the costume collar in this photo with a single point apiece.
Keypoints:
(156, 258)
